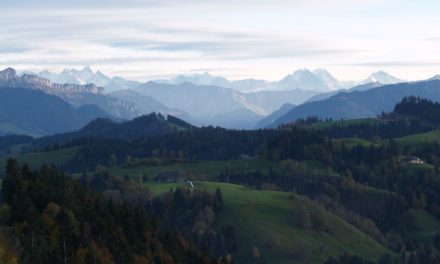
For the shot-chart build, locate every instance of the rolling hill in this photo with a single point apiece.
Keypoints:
(264, 219)
(144, 126)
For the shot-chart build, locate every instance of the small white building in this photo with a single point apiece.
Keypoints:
(412, 160)
(190, 183)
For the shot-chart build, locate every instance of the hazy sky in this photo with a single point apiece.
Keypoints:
(265, 39)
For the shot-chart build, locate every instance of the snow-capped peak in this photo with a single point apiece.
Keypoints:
(382, 77)
(302, 79)
(328, 79)
(436, 77)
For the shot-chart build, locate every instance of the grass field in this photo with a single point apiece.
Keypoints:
(419, 167)
(351, 142)
(264, 219)
(202, 170)
(424, 138)
(207, 170)
(36, 160)
(425, 225)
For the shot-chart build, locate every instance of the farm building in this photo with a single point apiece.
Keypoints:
(169, 176)
(412, 160)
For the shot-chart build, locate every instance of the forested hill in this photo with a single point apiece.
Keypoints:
(411, 115)
(50, 218)
(141, 127)
(416, 107)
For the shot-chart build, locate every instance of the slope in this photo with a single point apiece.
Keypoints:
(36, 113)
(144, 126)
(362, 104)
(265, 219)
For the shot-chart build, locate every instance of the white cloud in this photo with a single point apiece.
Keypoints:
(265, 39)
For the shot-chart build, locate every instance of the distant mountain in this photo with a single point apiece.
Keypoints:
(270, 120)
(206, 79)
(362, 104)
(211, 105)
(75, 94)
(328, 79)
(199, 79)
(202, 102)
(382, 77)
(271, 101)
(9, 78)
(237, 119)
(140, 127)
(87, 76)
(318, 80)
(35, 113)
(147, 105)
(362, 87)
(437, 77)
(302, 79)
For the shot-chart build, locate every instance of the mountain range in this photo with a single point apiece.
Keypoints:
(203, 102)
(75, 94)
(200, 99)
(318, 80)
(86, 76)
(147, 105)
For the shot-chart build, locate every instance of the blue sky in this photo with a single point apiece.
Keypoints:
(265, 39)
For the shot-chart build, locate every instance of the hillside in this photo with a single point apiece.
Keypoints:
(362, 87)
(144, 126)
(291, 195)
(37, 159)
(33, 112)
(362, 104)
(265, 219)
(272, 118)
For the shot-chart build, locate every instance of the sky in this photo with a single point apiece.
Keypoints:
(261, 39)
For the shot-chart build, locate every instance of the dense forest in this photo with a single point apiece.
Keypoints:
(51, 218)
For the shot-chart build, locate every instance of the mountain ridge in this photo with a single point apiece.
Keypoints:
(34, 112)
(87, 75)
(144, 126)
(363, 104)
(75, 94)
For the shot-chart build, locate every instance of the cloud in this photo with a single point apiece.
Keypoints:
(395, 64)
(168, 3)
(5, 49)
(258, 38)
